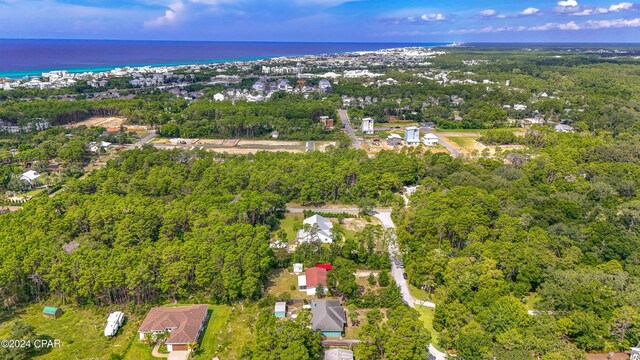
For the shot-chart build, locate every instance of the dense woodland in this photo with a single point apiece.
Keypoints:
(486, 236)
(532, 254)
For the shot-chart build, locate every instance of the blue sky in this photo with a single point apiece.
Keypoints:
(324, 20)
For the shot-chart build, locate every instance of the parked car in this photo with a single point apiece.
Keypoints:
(404, 275)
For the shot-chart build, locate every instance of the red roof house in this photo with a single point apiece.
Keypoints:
(325, 266)
(315, 276)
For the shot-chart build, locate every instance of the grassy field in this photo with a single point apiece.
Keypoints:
(477, 131)
(139, 350)
(281, 282)
(287, 224)
(227, 331)
(80, 332)
(426, 315)
(532, 301)
(465, 142)
(419, 294)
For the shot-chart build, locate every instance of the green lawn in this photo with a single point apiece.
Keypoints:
(287, 225)
(532, 301)
(478, 131)
(80, 332)
(426, 315)
(464, 141)
(139, 351)
(227, 331)
(419, 294)
(281, 282)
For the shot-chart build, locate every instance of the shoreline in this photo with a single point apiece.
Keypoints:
(21, 74)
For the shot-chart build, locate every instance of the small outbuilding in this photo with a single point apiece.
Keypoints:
(281, 309)
(51, 312)
(298, 268)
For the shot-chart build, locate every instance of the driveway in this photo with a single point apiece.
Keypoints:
(179, 355)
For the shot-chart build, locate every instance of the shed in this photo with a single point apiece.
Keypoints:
(302, 282)
(298, 268)
(281, 309)
(51, 312)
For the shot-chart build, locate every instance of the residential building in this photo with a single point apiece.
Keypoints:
(310, 280)
(328, 317)
(280, 310)
(95, 147)
(316, 228)
(563, 128)
(114, 321)
(218, 97)
(325, 86)
(184, 325)
(412, 136)
(394, 140)
(327, 123)
(338, 354)
(367, 125)
(29, 177)
(298, 268)
(430, 140)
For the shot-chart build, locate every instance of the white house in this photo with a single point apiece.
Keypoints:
(218, 97)
(367, 125)
(114, 321)
(430, 140)
(563, 128)
(298, 268)
(319, 229)
(412, 136)
(519, 107)
(95, 147)
(29, 176)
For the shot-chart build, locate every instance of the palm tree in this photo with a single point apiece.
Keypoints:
(192, 346)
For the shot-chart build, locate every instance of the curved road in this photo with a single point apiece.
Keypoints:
(384, 215)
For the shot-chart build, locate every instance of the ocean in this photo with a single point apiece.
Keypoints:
(32, 57)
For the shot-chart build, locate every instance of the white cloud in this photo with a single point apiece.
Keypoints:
(614, 23)
(488, 13)
(529, 11)
(568, 3)
(621, 7)
(433, 17)
(169, 16)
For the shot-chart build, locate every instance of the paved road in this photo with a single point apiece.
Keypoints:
(442, 141)
(396, 273)
(384, 215)
(146, 139)
(348, 210)
(347, 125)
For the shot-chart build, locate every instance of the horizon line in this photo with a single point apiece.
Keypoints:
(328, 42)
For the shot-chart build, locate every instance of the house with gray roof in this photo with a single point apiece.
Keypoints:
(338, 354)
(328, 317)
(319, 229)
